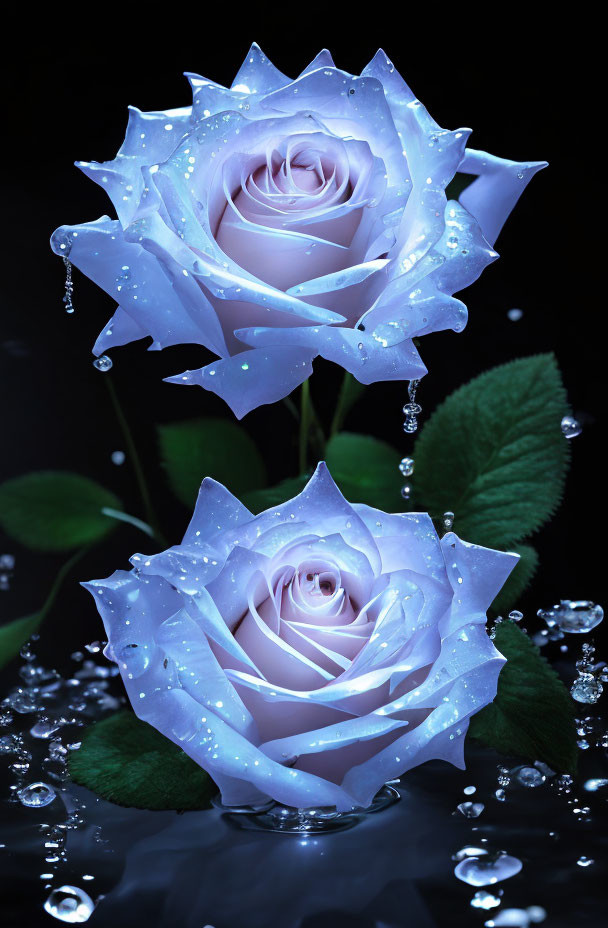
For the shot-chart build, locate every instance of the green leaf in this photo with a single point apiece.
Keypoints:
(14, 634)
(128, 762)
(217, 448)
(259, 500)
(494, 454)
(518, 580)
(532, 715)
(366, 470)
(55, 510)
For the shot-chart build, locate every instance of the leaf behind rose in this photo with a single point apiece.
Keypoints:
(126, 761)
(53, 511)
(494, 454)
(365, 469)
(13, 636)
(532, 716)
(217, 448)
(518, 580)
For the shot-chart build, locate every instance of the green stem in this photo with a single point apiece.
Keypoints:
(60, 576)
(341, 406)
(305, 415)
(136, 464)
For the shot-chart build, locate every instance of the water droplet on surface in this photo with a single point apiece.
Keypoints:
(406, 467)
(484, 871)
(69, 904)
(586, 688)
(103, 363)
(37, 795)
(571, 427)
(471, 810)
(528, 776)
(484, 900)
(44, 728)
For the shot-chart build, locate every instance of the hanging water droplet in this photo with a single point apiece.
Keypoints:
(411, 409)
(471, 809)
(484, 900)
(69, 904)
(69, 285)
(406, 467)
(528, 776)
(37, 795)
(103, 363)
(484, 871)
(571, 427)
(586, 688)
(448, 521)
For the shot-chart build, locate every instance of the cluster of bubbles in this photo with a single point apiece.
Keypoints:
(40, 723)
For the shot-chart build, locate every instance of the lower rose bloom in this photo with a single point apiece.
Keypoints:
(310, 653)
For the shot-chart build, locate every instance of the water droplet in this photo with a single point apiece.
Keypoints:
(69, 285)
(484, 871)
(44, 728)
(469, 851)
(575, 616)
(37, 795)
(516, 616)
(586, 688)
(69, 904)
(103, 363)
(471, 810)
(571, 427)
(528, 776)
(448, 521)
(515, 314)
(406, 467)
(469, 790)
(484, 900)
(509, 918)
(118, 458)
(585, 861)
(596, 784)
(406, 491)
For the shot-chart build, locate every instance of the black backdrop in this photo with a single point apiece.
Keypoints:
(67, 94)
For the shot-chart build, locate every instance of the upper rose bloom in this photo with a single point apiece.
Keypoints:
(310, 653)
(280, 220)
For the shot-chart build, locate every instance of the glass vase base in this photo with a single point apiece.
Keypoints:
(287, 820)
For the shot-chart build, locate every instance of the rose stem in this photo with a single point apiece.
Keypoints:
(136, 464)
(305, 410)
(343, 405)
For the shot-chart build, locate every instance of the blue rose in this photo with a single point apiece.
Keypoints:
(310, 653)
(280, 220)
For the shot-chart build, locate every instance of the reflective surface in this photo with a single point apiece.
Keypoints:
(394, 869)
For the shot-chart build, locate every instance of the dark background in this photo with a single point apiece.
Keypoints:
(513, 81)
